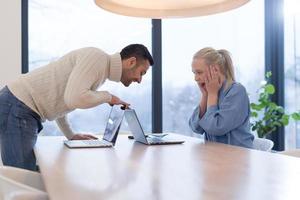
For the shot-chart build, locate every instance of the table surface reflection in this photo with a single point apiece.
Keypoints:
(193, 170)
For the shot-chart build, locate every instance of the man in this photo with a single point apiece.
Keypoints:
(52, 91)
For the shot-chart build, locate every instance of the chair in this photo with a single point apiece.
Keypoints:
(294, 152)
(16, 183)
(262, 144)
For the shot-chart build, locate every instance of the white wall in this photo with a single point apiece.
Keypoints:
(10, 40)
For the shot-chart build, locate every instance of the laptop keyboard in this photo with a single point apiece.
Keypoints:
(95, 142)
(156, 141)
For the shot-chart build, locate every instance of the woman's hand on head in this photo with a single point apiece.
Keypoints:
(213, 80)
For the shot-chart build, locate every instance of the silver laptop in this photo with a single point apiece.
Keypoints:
(139, 134)
(110, 134)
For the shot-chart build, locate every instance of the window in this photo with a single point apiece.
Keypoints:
(59, 26)
(240, 31)
(292, 70)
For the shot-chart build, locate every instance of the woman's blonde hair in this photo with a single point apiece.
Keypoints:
(218, 57)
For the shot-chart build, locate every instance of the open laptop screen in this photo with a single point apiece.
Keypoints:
(135, 126)
(113, 123)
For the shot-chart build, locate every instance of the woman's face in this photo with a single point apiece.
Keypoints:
(199, 68)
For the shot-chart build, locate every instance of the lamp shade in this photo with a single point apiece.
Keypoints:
(168, 8)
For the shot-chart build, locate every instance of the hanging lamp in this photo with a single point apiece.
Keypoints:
(158, 9)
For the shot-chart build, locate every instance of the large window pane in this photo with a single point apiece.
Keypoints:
(241, 31)
(292, 70)
(59, 26)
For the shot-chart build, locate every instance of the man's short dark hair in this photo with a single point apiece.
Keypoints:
(139, 51)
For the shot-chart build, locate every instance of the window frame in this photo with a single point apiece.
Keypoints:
(274, 60)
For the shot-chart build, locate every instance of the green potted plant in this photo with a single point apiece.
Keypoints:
(268, 116)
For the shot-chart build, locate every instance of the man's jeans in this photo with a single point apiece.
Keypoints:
(19, 127)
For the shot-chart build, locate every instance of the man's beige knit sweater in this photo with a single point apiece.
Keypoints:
(70, 82)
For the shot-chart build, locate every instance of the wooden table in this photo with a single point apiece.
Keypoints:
(193, 170)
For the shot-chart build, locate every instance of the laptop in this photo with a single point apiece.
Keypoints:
(110, 134)
(139, 135)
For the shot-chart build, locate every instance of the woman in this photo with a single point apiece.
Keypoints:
(223, 112)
